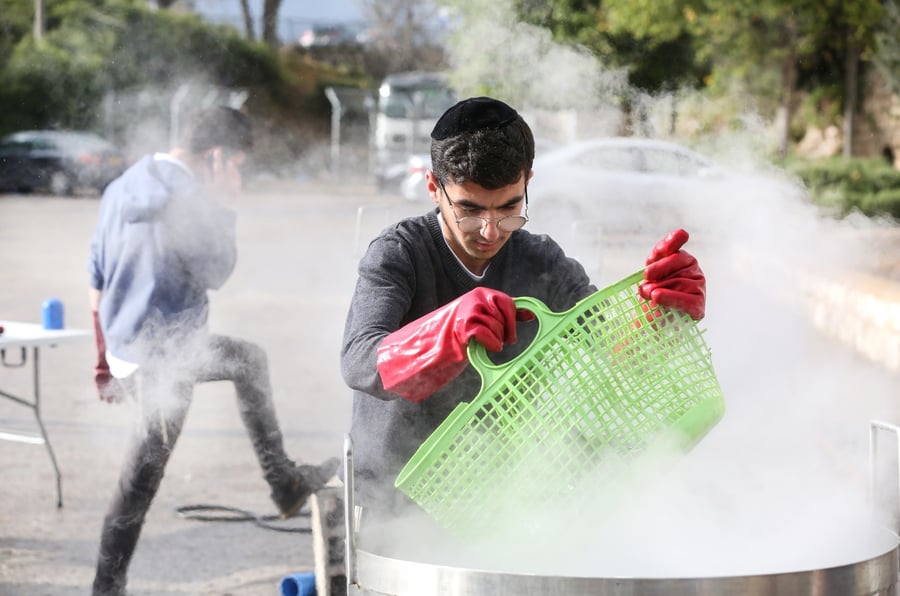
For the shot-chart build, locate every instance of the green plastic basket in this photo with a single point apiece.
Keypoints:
(600, 385)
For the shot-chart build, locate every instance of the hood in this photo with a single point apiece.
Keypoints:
(149, 186)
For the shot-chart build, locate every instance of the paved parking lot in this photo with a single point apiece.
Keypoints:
(298, 250)
(289, 293)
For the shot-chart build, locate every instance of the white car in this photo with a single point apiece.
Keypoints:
(412, 187)
(613, 191)
(627, 185)
(608, 191)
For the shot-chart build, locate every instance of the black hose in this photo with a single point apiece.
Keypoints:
(233, 514)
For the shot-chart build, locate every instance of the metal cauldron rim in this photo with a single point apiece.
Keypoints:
(373, 574)
(379, 574)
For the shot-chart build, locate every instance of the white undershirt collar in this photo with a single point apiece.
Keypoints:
(455, 256)
(172, 159)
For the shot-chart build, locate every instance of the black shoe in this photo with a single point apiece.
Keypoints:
(302, 482)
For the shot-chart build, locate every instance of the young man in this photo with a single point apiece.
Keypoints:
(164, 237)
(429, 284)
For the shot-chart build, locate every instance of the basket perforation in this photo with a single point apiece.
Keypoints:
(589, 396)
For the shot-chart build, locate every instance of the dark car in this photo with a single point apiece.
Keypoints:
(59, 161)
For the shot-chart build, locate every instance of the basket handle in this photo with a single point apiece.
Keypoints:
(547, 320)
(478, 353)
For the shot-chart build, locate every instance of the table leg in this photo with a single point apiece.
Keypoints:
(37, 414)
(35, 407)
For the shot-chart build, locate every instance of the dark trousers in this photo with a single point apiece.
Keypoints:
(164, 389)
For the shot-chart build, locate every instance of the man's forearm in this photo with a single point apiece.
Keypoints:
(94, 298)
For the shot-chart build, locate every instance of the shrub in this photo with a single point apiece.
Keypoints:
(884, 202)
(841, 185)
(93, 48)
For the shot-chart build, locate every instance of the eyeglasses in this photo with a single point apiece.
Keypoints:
(475, 223)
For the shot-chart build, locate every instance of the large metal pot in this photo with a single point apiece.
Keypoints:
(378, 575)
(870, 573)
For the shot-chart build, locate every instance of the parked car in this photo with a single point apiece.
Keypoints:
(58, 161)
(614, 192)
(627, 185)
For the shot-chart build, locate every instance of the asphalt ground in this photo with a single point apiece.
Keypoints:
(289, 293)
(298, 249)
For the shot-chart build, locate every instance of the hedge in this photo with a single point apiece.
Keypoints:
(870, 186)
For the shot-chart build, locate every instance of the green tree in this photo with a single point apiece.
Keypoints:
(775, 48)
(658, 55)
(249, 32)
(15, 24)
(572, 21)
(887, 44)
(92, 48)
(492, 51)
(270, 22)
(658, 52)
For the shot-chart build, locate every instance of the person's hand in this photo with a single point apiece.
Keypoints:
(673, 277)
(426, 354)
(226, 178)
(108, 388)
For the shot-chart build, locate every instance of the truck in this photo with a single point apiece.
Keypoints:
(406, 109)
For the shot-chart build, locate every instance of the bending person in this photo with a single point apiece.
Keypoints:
(429, 284)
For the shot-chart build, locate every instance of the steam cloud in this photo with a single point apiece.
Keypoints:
(780, 484)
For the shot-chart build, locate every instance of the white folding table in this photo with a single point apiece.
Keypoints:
(20, 346)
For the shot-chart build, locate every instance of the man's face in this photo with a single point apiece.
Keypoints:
(475, 248)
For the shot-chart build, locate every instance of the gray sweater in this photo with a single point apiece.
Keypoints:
(408, 271)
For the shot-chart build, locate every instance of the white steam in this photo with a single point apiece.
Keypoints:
(495, 54)
(780, 484)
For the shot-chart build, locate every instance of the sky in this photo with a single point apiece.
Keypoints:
(313, 10)
(295, 15)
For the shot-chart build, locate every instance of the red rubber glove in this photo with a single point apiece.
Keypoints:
(673, 278)
(108, 388)
(426, 354)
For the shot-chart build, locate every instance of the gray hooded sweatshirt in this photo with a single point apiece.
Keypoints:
(161, 242)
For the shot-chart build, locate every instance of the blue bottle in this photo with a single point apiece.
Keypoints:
(52, 314)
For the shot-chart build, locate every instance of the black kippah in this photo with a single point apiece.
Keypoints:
(471, 114)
